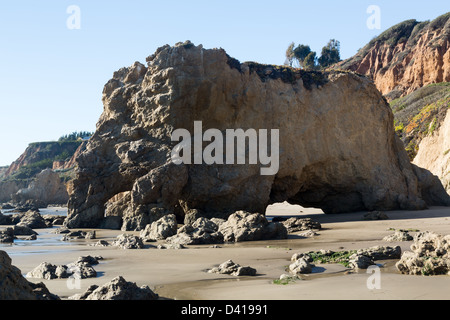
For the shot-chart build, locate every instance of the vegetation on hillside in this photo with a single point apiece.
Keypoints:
(74, 136)
(420, 114)
(41, 155)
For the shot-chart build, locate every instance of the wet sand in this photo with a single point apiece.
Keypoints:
(181, 274)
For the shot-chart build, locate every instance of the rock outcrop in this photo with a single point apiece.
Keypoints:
(117, 289)
(13, 286)
(234, 269)
(430, 255)
(406, 57)
(47, 187)
(337, 146)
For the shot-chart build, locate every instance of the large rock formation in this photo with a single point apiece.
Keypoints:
(337, 146)
(406, 57)
(13, 286)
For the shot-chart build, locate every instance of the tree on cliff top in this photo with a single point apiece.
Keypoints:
(307, 59)
(330, 54)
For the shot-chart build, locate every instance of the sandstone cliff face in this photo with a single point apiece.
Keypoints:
(406, 57)
(9, 188)
(434, 153)
(338, 149)
(47, 187)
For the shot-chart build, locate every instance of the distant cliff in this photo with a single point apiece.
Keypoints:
(39, 156)
(406, 57)
(43, 172)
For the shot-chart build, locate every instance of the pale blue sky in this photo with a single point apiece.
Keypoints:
(52, 77)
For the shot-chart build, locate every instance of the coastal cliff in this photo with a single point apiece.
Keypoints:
(406, 57)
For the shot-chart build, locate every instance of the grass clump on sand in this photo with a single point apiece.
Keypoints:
(323, 257)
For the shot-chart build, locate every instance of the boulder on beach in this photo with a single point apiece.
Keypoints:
(301, 266)
(301, 224)
(338, 150)
(128, 241)
(234, 269)
(160, 229)
(429, 255)
(117, 289)
(7, 235)
(398, 235)
(245, 226)
(33, 220)
(80, 269)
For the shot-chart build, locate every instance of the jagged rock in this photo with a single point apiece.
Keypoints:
(128, 241)
(202, 231)
(360, 261)
(90, 260)
(375, 215)
(297, 256)
(71, 235)
(346, 157)
(308, 234)
(399, 235)
(101, 243)
(33, 220)
(48, 271)
(117, 289)
(7, 235)
(234, 269)
(161, 229)
(381, 252)
(430, 255)
(245, 226)
(23, 230)
(80, 269)
(52, 220)
(240, 226)
(301, 224)
(13, 286)
(301, 266)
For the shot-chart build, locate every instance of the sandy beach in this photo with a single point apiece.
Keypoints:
(181, 274)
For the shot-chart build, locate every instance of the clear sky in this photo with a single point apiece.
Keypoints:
(52, 76)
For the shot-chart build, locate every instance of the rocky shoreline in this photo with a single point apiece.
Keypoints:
(133, 261)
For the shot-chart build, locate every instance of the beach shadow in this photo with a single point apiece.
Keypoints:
(100, 274)
(318, 270)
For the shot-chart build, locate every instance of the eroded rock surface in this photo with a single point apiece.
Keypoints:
(430, 255)
(13, 286)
